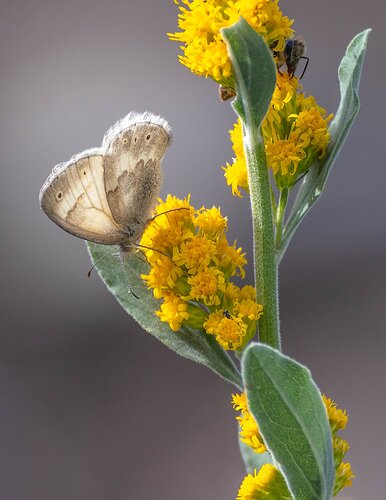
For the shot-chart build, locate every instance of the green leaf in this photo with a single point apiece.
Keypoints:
(253, 460)
(121, 277)
(314, 182)
(292, 419)
(254, 70)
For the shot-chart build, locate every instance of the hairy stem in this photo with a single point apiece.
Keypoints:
(283, 199)
(265, 267)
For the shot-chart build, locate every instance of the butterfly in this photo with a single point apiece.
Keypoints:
(107, 195)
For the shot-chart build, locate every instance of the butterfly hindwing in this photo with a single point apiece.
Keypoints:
(74, 198)
(132, 170)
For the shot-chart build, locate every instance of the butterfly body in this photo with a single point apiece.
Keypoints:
(106, 195)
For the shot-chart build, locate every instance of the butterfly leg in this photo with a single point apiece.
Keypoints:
(139, 247)
(145, 260)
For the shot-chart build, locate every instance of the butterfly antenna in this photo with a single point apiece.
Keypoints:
(168, 212)
(99, 260)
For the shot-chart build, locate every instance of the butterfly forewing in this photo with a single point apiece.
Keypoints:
(74, 198)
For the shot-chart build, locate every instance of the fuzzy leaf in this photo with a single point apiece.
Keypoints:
(252, 460)
(189, 343)
(292, 419)
(254, 70)
(314, 182)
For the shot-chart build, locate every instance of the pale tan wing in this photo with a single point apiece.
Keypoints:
(134, 149)
(74, 198)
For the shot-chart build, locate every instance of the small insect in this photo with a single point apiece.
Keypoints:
(106, 195)
(226, 314)
(226, 93)
(294, 50)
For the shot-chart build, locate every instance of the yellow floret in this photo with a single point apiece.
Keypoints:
(173, 311)
(267, 484)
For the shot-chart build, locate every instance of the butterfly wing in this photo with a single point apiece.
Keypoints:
(134, 149)
(74, 198)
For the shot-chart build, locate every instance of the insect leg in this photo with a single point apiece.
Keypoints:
(305, 67)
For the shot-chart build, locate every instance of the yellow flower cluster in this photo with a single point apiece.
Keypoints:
(295, 133)
(191, 265)
(253, 487)
(236, 174)
(267, 484)
(249, 430)
(200, 21)
(338, 420)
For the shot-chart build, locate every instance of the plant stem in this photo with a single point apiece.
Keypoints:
(265, 266)
(283, 199)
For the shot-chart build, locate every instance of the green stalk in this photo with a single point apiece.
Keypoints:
(255, 78)
(283, 199)
(265, 267)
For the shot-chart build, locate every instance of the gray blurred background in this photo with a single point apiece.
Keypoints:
(93, 408)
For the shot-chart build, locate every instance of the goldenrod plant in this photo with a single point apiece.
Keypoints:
(284, 144)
